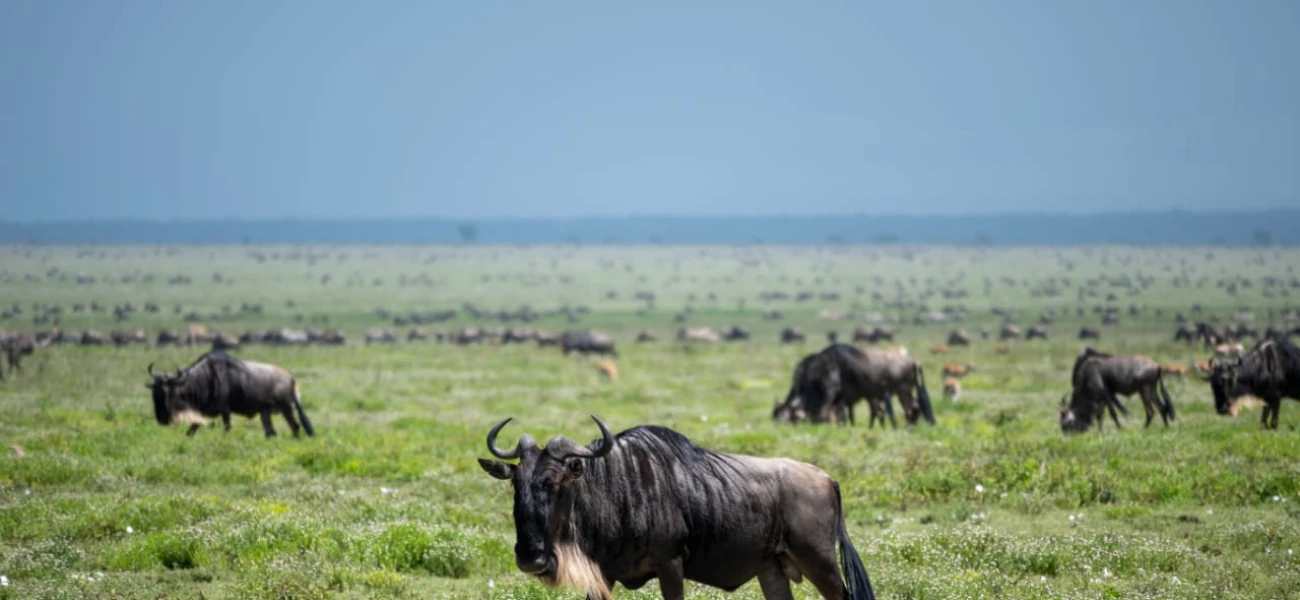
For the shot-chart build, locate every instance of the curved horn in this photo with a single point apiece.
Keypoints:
(150, 370)
(605, 448)
(525, 441)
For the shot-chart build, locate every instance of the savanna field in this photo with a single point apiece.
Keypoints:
(99, 501)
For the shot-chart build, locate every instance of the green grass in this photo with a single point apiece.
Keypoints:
(388, 501)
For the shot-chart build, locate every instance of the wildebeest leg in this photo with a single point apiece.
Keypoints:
(820, 568)
(266, 423)
(889, 410)
(194, 427)
(287, 411)
(225, 420)
(1114, 416)
(1148, 404)
(774, 583)
(672, 583)
(910, 412)
(1273, 405)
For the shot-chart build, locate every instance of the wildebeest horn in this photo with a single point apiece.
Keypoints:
(150, 370)
(605, 448)
(525, 441)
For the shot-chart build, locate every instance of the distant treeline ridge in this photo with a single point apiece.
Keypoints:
(1262, 228)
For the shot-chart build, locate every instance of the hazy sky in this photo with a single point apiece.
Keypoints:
(220, 108)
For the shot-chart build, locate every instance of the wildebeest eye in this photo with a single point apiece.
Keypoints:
(574, 468)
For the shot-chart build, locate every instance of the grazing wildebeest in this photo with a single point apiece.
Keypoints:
(166, 337)
(648, 503)
(1009, 332)
(1097, 379)
(223, 342)
(1089, 333)
(958, 338)
(1270, 372)
(587, 342)
(122, 337)
(833, 380)
(1185, 333)
(217, 384)
(1036, 332)
(791, 335)
(380, 336)
(735, 333)
(646, 336)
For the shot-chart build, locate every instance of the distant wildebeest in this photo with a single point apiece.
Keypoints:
(380, 336)
(735, 333)
(1089, 333)
(417, 334)
(124, 337)
(648, 503)
(166, 337)
(1270, 372)
(791, 335)
(1009, 332)
(222, 342)
(872, 335)
(697, 335)
(1098, 377)
(1036, 332)
(587, 342)
(646, 336)
(546, 338)
(958, 338)
(217, 384)
(519, 335)
(91, 337)
(832, 337)
(1185, 333)
(330, 337)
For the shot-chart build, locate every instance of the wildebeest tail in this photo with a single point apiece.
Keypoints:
(855, 573)
(1168, 408)
(922, 396)
(302, 416)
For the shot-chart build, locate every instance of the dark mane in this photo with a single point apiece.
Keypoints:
(1088, 353)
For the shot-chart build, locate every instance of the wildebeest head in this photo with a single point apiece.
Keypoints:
(164, 386)
(541, 479)
(1076, 412)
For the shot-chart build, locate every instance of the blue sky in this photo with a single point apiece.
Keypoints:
(316, 108)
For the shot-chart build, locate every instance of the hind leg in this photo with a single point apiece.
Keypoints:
(820, 568)
(775, 585)
(287, 411)
(266, 423)
(910, 411)
(194, 427)
(1148, 404)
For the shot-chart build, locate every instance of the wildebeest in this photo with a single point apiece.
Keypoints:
(735, 333)
(958, 338)
(648, 503)
(1089, 333)
(1009, 332)
(1098, 377)
(791, 335)
(380, 336)
(646, 336)
(166, 337)
(1270, 372)
(15, 346)
(697, 335)
(587, 342)
(217, 384)
(826, 385)
(1036, 332)
(122, 337)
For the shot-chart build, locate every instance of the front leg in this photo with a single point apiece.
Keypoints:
(672, 583)
(193, 428)
(225, 420)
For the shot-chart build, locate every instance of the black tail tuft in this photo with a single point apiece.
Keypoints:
(855, 573)
(1164, 395)
(302, 416)
(922, 396)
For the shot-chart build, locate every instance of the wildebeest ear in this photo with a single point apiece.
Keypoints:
(574, 468)
(497, 468)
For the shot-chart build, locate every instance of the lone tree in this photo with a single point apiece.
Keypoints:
(468, 232)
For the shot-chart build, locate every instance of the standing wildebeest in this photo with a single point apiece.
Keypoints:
(1270, 372)
(1036, 332)
(1098, 377)
(1009, 332)
(219, 384)
(587, 342)
(15, 346)
(1089, 333)
(648, 503)
(379, 335)
(791, 335)
(735, 333)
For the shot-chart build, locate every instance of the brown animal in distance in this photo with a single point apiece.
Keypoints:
(607, 369)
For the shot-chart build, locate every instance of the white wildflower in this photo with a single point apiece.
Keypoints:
(129, 529)
(4, 581)
(704, 418)
(384, 490)
(1071, 518)
(1277, 498)
(979, 489)
(1042, 578)
(1176, 580)
(1105, 572)
(491, 584)
(1209, 511)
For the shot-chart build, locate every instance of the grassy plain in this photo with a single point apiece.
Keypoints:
(388, 502)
